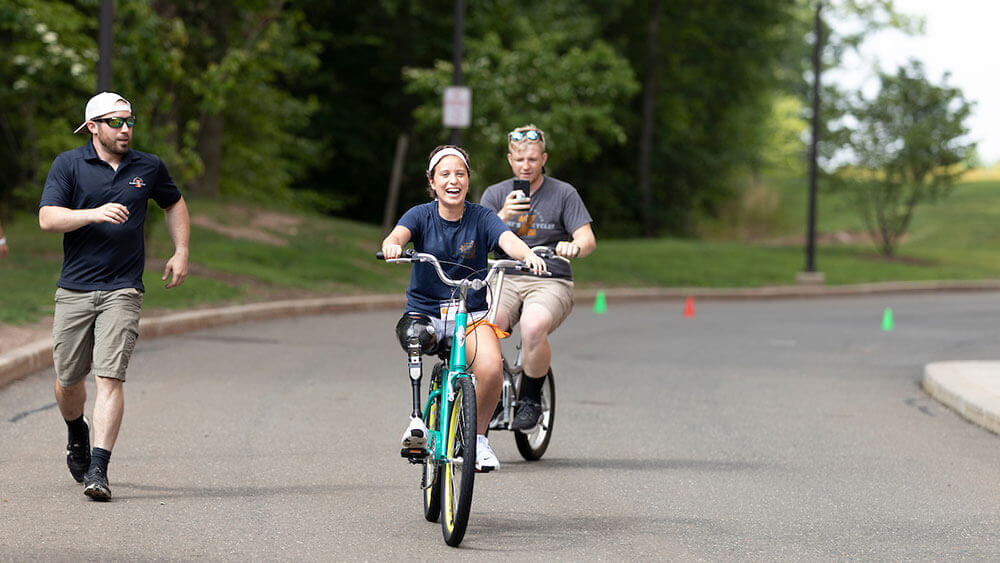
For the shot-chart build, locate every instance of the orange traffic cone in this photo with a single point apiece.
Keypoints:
(689, 307)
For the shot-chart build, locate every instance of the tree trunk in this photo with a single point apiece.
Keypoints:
(649, 96)
(171, 120)
(212, 121)
(210, 150)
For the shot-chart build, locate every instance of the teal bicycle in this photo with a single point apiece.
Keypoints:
(449, 411)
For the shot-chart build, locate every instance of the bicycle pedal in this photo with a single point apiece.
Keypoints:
(415, 455)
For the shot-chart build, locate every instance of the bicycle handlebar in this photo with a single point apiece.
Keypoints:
(548, 252)
(410, 255)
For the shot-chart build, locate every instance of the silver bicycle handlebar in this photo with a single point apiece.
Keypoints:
(474, 284)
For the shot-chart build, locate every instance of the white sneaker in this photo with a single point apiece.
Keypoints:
(415, 435)
(486, 460)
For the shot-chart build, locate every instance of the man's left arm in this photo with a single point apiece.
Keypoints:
(179, 227)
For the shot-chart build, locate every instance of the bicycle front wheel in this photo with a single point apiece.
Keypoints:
(532, 443)
(431, 481)
(458, 473)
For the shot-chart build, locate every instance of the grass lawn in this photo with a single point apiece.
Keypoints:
(242, 254)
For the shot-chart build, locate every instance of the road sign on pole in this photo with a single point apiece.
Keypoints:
(457, 107)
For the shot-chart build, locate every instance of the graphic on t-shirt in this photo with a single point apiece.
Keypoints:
(137, 182)
(527, 223)
(468, 249)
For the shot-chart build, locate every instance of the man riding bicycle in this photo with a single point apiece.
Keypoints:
(550, 213)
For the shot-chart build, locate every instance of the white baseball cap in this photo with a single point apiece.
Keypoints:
(103, 104)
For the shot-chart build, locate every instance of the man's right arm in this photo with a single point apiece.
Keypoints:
(55, 219)
(507, 207)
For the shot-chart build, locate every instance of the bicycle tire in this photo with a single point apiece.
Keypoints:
(532, 444)
(458, 477)
(430, 483)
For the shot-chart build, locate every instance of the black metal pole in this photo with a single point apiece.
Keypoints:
(458, 33)
(811, 237)
(105, 36)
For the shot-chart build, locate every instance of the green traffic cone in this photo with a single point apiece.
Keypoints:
(600, 303)
(887, 320)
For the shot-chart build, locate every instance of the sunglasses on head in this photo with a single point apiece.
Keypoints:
(117, 122)
(531, 135)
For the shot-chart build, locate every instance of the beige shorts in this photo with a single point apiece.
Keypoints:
(94, 331)
(556, 295)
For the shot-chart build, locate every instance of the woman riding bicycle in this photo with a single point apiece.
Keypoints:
(461, 235)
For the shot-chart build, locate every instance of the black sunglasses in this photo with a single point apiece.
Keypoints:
(531, 135)
(117, 122)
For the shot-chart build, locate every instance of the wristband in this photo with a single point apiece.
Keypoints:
(3, 241)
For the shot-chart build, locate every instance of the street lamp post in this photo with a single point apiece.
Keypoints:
(105, 36)
(810, 275)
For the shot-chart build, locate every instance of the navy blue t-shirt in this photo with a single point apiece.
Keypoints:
(105, 256)
(462, 246)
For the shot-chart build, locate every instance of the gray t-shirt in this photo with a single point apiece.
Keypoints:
(556, 211)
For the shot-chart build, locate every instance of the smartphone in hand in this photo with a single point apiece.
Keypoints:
(523, 186)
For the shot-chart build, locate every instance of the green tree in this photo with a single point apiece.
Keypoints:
(208, 80)
(543, 65)
(363, 105)
(908, 147)
(846, 24)
(717, 67)
(237, 58)
(47, 66)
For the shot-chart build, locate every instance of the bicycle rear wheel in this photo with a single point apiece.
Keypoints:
(458, 473)
(533, 443)
(431, 480)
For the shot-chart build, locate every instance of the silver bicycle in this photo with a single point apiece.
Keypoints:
(533, 442)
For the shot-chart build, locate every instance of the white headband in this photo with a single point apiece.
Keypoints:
(443, 153)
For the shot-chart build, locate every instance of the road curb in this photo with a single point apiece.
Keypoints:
(37, 356)
(28, 359)
(972, 389)
(786, 291)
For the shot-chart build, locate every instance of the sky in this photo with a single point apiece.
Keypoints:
(961, 37)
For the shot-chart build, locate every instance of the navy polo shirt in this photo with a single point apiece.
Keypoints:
(105, 256)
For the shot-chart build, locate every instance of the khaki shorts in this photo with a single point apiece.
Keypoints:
(94, 331)
(556, 295)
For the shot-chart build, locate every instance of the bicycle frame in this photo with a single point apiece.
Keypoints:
(444, 395)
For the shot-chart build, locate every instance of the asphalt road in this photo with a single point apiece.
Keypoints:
(785, 429)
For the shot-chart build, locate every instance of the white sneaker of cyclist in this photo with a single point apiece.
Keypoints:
(415, 435)
(486, 460)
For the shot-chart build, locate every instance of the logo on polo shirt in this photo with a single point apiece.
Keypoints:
(137, 182)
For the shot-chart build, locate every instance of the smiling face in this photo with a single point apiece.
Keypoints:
(450, 182)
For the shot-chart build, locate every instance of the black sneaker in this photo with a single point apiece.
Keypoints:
(78, 456)
(95, 485)
(528, 415)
